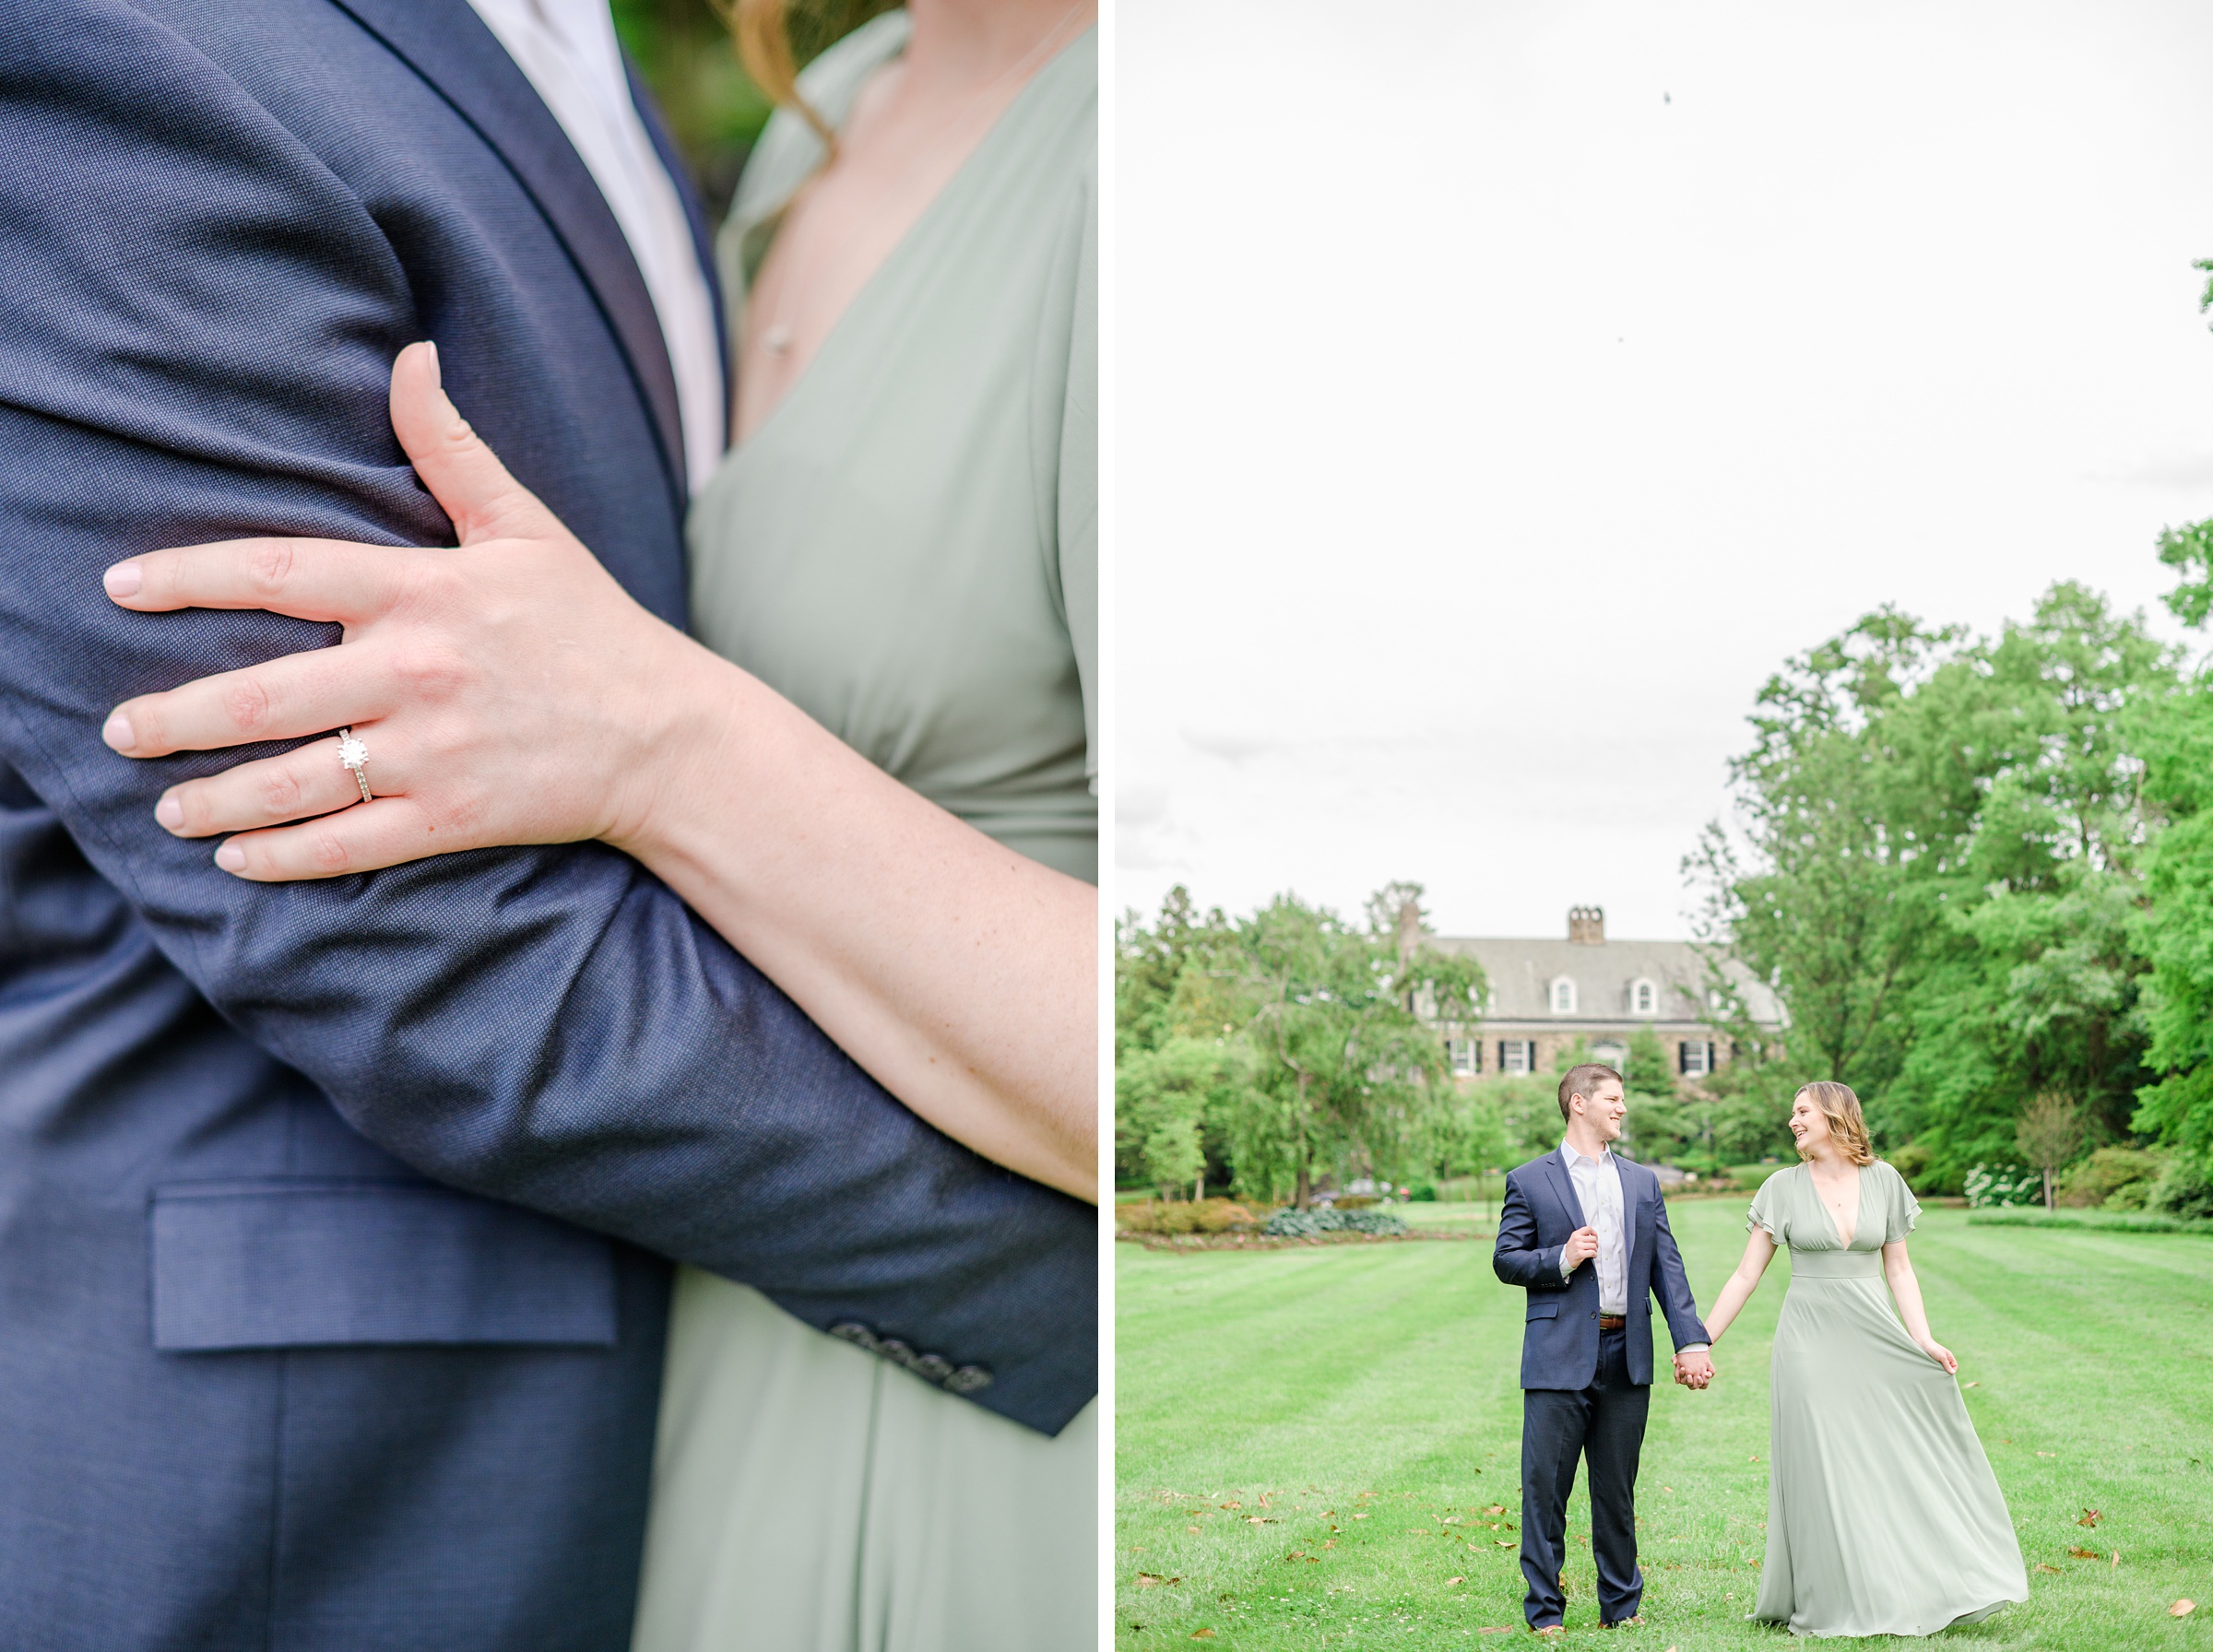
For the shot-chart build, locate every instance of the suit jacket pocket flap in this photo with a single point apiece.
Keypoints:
(294, 1263)
(1543, 1307)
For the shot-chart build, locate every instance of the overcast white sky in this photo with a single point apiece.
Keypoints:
(1505, 389)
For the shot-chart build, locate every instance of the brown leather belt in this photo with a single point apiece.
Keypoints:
(1612, 1322)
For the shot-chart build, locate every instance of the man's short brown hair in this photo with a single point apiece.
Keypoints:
(1584, 1081)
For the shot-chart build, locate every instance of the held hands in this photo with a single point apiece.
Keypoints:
(508, 691)
(1694, 1369)
(1582, 1244)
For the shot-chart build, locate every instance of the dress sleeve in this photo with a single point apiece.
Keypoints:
(1905, 1210)
(1078, 492)
(1767, 1211)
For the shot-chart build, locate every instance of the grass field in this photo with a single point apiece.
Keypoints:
(1356, 1409)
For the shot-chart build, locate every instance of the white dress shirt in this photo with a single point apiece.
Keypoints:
(1598, 1187)
(567, 48)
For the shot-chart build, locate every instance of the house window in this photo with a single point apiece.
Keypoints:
(1694, 1058)
(1644, 999)
(1465, 1057)
(1563, 997)
(1517, 1055)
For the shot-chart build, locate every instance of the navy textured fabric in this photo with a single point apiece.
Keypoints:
(1560, 1337)
(284, 1365)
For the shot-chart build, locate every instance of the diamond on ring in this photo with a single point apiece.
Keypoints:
(355, 756)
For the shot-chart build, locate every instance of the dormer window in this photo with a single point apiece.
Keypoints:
(1563, 997)
(1644, 999)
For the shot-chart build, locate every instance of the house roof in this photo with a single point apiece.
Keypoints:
(1520, 974)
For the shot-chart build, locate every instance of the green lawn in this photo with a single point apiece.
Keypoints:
(1358, 1407)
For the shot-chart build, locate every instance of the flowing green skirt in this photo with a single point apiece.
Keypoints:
(1883, 1514)
(811, 1497)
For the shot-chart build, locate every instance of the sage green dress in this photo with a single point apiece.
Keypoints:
(1883, 1514)
(908, 547)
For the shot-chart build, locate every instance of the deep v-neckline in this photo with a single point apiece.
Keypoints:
(1859, 1205)
(916, 232)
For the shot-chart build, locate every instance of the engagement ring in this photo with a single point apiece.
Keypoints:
(355, 756)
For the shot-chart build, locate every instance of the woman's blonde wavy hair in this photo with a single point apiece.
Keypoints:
(763, 31)
(1841, 1108)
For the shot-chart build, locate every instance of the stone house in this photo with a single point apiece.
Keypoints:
(1545, 994)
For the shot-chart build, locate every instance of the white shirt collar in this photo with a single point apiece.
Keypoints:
(1570, 1158)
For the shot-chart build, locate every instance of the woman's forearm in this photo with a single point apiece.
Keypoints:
(961, 975)
(1905, 1290)
(1735, 1292)
(1759, 1250)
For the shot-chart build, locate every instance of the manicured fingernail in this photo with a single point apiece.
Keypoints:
(169, 813)
(437, 372)
(118, 732)
(122, 580)
(231, 858)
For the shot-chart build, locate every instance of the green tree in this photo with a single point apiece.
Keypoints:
(1164, 1099)
(2174, 928)
(1944, 844)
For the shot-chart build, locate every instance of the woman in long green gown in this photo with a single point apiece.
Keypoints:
(906, 548)
(899, 561)
(1883, 1514)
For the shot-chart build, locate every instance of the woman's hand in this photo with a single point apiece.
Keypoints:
(1942, 1355)
(508, 691)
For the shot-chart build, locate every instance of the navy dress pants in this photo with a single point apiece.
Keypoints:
(1603, 1422)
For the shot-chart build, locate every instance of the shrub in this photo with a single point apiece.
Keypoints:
(1911, 1161)
(2006, 1185)
(1423, 1192)
(1185, 1216)
(1306, 1224)
(2097, 1179)
(1352, 1201)
(2182, 1189)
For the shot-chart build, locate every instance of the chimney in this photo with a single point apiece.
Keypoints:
(1409, 929)
(1587, 926)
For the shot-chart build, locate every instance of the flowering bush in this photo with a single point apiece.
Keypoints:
(1184, 1216)
(1987, 1188)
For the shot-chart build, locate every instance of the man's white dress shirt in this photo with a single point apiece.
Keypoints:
(1598, 1187)
(567, 48)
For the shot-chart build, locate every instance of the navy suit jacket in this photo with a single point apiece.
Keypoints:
(1559, 1338)
(286, 1361)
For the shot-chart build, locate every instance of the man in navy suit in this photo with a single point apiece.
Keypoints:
(1585, 1233)
(334, 1217)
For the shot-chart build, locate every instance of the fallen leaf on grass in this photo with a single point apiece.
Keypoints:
(2116, 1560)
(1450, 1581)
(1233, 1503)
(1190, 1528)
(2181, 1608)
(1203, 1634)
(2085, 1554)
(1503, 1543)
(1496, 1509)
(1359, 1517)
(1331, 1543)
(1153, 1580)
(2090, 1516)
(1965, 1385)
(2041, 1567)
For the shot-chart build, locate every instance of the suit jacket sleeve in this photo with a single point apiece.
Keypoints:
(1518, 1259)
(202, 319)
(1671, 1284)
